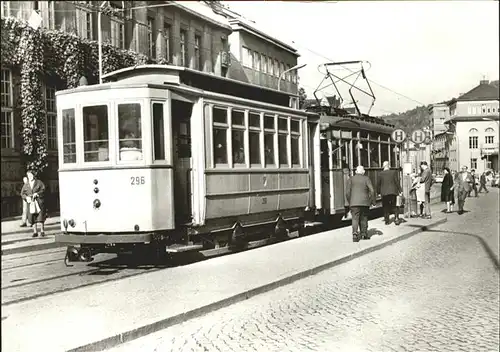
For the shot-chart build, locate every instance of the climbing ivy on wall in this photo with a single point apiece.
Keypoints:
(44, 55)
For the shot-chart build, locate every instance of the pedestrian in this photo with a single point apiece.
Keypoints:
(447, 190)
(24, 216)
(359, 196)
(426, 181)
(474, 186)
(482, 182)
(413, 203)
(463, 186)
(34, 194)
(389, 188)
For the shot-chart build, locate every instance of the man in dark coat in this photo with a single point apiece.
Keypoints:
(426, 179)
(359, 196)
(482, 182)
(389, 188)
(463, 186)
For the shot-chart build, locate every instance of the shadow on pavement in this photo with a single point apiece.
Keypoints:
(374, 232)
(485, 245)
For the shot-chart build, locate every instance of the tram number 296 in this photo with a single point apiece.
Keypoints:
(137, 180)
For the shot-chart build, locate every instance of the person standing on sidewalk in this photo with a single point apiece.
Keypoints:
(359, 196)
(482, 182)
(389, 188)
(463, 187)
(447, 190)
(24, 217)
(426, 181)
(34, 194)
(474, 187)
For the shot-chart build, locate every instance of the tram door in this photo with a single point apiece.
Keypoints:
(181, 139)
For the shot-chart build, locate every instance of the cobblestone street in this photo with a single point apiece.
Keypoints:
(437, 291)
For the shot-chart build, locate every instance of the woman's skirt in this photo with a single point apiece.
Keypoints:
(421, 194)
(448, 196)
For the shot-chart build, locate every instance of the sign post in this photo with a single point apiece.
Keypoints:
(399, 137)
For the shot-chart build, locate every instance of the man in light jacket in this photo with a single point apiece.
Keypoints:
(426, 181)
(463, 186)
(359, 196)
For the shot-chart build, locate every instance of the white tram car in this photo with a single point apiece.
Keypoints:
(174, 159)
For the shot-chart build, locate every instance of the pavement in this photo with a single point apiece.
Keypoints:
(434, 292)
(103, 316)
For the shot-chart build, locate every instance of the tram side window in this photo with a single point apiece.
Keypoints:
(355, 150)
(295, 135)
(238, 136)
(158, 132)
(269, 133)
(129, 129)
(384, 152)
(220, 126)
(254, 137)
(95, 133)
(282, 137)
(374, 159)
(69, 136)
(364, 154)
(394, 156)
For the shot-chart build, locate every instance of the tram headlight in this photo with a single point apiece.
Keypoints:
(72, 223)
(97, 203)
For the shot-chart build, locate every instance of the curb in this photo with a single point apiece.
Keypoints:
(127, 336)
(27, 230)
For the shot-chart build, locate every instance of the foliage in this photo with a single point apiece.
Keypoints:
(410, 120)
(62, 57)
(302, 97)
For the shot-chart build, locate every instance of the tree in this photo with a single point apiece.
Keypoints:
(302, 97)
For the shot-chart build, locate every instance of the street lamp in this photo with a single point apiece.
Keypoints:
(296, 67)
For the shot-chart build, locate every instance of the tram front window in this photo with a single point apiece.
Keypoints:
(129, 125)
(95, 133)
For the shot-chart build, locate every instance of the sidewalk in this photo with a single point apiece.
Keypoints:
(96, 317)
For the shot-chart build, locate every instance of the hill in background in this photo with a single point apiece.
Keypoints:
(410, 120)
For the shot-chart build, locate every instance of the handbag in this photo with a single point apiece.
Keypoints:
(34, 207)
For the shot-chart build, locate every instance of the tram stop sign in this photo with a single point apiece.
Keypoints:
(418, 136)
(398, 136)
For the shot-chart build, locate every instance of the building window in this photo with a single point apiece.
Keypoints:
(473, 142)
(184, 53)
(220, 127)
(129, 130)
(69, 136)
(288, 76)
(293, 76)
(167, 32)
(256, 61)
(270, 68)
(151, 38)
(95, 133)
(50, 108)
(489, 139)
(5, 8)
(84, 19)
(473, 131)
(282, 69)
(263, 63)
(7, 123)
(197, 52)
(247, 57)
(238, 136)
(117, 33)
(276, 68)
(473, 163)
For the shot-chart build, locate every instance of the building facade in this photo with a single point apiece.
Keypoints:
(439, 113)
(261, 59)
(474, 128)
(440, 151)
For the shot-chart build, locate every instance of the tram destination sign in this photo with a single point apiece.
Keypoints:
(398, 135)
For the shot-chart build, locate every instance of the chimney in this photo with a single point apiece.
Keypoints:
(484, 81)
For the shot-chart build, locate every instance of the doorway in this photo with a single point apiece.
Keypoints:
(181, 140)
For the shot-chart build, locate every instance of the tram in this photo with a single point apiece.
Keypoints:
(174, 159)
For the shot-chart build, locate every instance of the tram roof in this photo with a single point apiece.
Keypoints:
(162, 74)
(354, 122)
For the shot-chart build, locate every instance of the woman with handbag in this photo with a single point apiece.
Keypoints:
(34, 194)
(447, 190)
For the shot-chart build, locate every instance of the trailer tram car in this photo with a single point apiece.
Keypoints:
(349, 140)
(172, 159)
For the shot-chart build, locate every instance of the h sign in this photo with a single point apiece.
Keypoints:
(398, 136)
(418, 136)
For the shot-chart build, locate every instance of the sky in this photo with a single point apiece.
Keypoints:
(428, 51)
